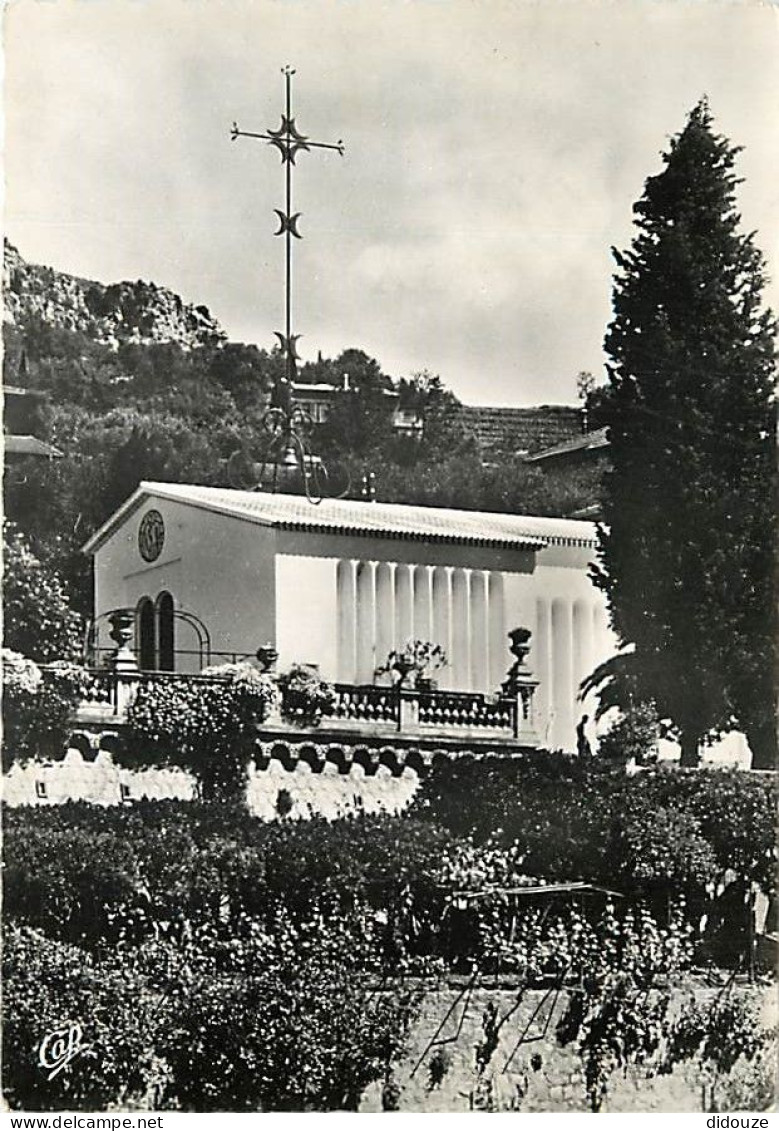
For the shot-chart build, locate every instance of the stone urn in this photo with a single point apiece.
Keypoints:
(122, 623)
(404, 666)
(267, 657)
(520, 646)
(520, 684)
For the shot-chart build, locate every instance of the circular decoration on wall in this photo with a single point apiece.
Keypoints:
(151, 536)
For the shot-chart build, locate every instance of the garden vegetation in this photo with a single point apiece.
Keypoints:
(278, 965)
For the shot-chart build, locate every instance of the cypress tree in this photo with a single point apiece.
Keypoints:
(687, 553)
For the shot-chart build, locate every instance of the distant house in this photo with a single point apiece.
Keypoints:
(21, 421)
(496, 430)
(584, 448)
(318, 398)
(500, 432)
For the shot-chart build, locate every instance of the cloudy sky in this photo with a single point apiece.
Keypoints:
(494, 149)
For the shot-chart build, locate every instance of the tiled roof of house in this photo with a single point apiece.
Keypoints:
(354, 517)
(520, 429)
(589, 442)
(29, 446)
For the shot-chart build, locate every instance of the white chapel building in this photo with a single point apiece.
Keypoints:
(214, 573)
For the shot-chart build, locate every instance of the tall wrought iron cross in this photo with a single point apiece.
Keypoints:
(289, 142)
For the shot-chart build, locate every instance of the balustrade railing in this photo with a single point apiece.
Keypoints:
(466, 709)
(367, 703)
(108, 691)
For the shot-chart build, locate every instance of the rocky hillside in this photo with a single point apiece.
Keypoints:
(118, 312)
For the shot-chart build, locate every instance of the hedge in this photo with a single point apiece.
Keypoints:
(92, 876)
(252, 1020)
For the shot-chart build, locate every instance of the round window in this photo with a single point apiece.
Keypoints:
(151, 536)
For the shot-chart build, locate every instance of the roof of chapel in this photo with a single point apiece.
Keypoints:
(359, 518)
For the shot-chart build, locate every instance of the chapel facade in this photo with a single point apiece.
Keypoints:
(212, 574)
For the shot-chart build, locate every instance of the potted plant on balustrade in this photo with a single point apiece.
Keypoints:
(413, 665)
(305, 697)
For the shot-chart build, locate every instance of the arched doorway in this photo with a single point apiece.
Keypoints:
(146, 634)
(166, 637)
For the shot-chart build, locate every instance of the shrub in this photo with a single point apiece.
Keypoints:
(37, 707)
(179, 863)
(275, 1018)
(661, 833)
(206, 726)
(305, 698)
(50, 985)
(538, 803)
(737, 815)
(72, 883)
(289, 1024)
(618, 1014)
(661, 849)
(633, 737)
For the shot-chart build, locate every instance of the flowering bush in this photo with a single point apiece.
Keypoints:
(37, 706)
(204, 725)
(255, 1018)
(305, 698)
(415, 660)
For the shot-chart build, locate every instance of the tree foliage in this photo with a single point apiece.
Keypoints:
(687, 552)
(38, 621)
(159, 412)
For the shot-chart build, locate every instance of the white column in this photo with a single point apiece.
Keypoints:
(541, 663)
(423, 604)
(347, 621)
(366, 622)
(582, 646)
(499, 655)
(562, 667)
(442, 620)
(385, 612)
(479, 632)
(404, 605)
(604, 641)
(461, 631)
(577, 658)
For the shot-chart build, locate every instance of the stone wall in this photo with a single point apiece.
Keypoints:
(541, 1076)
(304, 791)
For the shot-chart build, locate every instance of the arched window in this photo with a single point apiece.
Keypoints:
(166, 660)
(146, 635)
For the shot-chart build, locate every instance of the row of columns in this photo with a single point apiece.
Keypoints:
(383, 605)
(571, 638)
